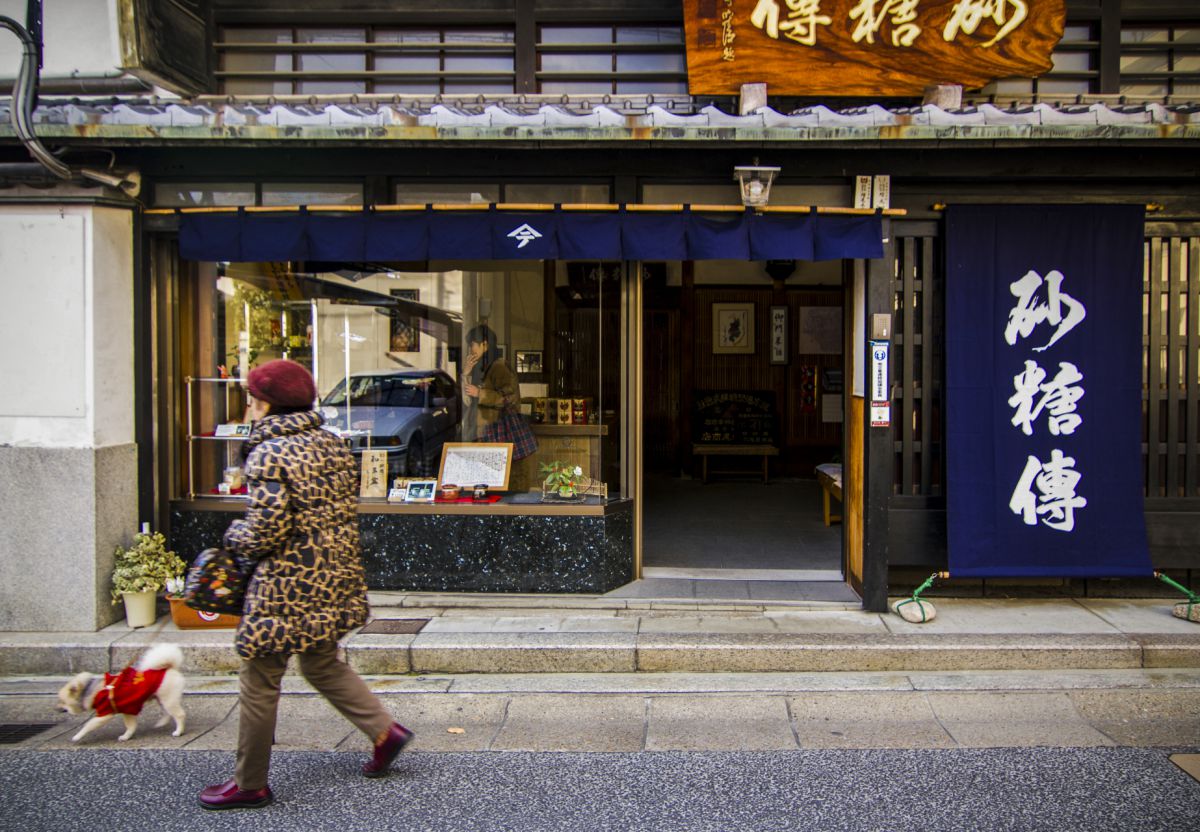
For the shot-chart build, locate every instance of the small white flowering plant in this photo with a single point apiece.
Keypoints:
(561, 477)
(146, 566)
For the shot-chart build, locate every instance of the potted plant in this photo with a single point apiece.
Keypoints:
(561, 479)
(141, 571)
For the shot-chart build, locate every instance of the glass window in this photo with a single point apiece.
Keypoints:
(311, 193)
(419, 193)
(604, 52)
(345, 59)
(234, 61)
(577, 34)
(183, 194)
(408, 361)
(541, 193)
(650, 34)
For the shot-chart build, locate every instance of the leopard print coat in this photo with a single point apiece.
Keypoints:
(302, 528)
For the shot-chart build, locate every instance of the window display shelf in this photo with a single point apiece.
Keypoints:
(221, 404)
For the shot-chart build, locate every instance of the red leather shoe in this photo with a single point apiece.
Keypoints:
(387, 749)
(220, 788)
(227, 795)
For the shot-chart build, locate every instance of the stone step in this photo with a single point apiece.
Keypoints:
(620, 648)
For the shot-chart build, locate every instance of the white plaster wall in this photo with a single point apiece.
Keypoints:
(80, 38)
(66, 332)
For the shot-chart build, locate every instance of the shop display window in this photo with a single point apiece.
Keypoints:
(412, 363)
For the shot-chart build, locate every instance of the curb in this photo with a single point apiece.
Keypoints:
(211, 652)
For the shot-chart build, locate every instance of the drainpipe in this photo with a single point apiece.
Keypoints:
(21, 112)
(121, 84)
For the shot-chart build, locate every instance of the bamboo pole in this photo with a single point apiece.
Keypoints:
(636, 207)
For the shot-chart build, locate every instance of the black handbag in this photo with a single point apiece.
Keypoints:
(217, 582)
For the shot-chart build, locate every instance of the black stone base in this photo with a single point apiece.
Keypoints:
(463, 553)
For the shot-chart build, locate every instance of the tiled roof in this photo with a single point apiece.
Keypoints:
(210, 119)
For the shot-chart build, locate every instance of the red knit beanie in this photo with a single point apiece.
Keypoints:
(282, 383)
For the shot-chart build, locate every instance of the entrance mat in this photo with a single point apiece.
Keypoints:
(1190, 763)
(394, 626)
(12, 733)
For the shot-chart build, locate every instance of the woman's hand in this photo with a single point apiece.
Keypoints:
(471, 390)
(470, 363)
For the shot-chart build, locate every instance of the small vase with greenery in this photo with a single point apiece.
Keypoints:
(561, 478)
(144, 567)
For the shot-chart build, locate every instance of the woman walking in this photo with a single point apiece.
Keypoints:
(308, 590)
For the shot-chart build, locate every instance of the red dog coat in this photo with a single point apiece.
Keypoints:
(127, 691)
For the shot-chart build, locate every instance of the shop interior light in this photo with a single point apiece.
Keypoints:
(754, 183)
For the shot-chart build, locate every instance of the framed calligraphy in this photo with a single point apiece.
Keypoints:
(779, 334)
(733, 328)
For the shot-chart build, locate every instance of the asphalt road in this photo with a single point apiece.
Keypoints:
(1090, 789)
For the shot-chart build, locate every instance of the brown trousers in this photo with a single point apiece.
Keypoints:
(260, 680)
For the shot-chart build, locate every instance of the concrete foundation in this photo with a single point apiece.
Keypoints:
(62, 513)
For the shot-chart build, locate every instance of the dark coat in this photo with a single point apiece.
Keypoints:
(302, 527)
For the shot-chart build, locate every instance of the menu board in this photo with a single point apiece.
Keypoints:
(734, 417)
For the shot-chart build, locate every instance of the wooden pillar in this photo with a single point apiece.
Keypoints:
(687, 364)
(779, 379)
(549, 328)
(879, 455)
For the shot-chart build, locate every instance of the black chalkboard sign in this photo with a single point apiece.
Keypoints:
(734, 417)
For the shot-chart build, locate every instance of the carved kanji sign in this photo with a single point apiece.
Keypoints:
(866, 47)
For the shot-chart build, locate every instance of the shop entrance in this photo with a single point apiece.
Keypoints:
(743, 377)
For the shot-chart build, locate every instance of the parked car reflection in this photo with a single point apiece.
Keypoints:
(408, 413)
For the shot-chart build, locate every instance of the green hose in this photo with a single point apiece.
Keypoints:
(916, 596)
(1193, 598)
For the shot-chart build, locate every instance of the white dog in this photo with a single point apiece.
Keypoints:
(156, 676)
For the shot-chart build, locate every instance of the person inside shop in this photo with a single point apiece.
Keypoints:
(493, 396)
(308, 589)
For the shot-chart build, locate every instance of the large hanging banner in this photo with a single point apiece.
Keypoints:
(1043, 391)
(255, 236)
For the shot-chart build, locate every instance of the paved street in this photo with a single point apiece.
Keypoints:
(967, 789)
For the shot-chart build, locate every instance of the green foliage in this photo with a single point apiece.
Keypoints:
(560, 475)
(147, 565)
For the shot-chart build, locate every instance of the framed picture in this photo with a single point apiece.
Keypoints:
(468, 464)
(733, 328)
(405, 329)
(529, 361)
(820, 330)
(779, 334)
(420, 491)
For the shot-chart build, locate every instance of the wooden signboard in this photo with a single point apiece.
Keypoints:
(734, 417)
(866, 47)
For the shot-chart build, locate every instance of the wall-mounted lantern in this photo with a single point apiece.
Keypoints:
(754, 183)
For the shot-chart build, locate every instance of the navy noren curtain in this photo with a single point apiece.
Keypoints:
(498, 235)
(1043, 391)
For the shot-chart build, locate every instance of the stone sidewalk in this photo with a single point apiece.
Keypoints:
(686, 712)
(462, 634)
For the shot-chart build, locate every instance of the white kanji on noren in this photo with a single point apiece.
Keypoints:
(1056, 500)
(1057, 308)
(526, 233)
(1059, 398)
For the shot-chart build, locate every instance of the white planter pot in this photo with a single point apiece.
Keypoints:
(139, 608)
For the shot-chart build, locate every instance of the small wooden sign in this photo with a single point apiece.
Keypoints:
(866, 47)
(374, 474)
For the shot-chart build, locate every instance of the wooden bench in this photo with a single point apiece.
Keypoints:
(705, 451)
(829, 476)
